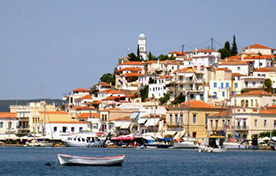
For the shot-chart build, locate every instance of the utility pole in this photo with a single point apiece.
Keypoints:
(182, 49)
(212, 43)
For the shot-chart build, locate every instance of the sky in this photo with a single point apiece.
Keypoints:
(48, 48)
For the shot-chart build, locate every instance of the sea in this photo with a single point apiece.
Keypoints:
(21, 161)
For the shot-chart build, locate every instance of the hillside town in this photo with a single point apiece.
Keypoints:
(195, 93)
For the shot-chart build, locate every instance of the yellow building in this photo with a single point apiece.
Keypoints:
(192, 115)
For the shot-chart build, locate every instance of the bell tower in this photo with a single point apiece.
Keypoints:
(142, 45)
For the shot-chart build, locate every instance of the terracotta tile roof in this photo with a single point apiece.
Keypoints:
(104, 84)
(165, 76)
(68, 122)
(233, 63)
(154, 61)
(131, 74)
(269, 57)
(84, 97)
(53, 112)
(237, 74)
(271, 107)
(178, 53)
(189, 59)
(121, 118)
(255, 92)
(109, 91)
(129, 69)
(81, 90)
(233, 58)
(266, 69)
(223, 113)
(257, 46)
(96, 102)
(221, 69)
(11, 115)
(185, 70)
(83, 108)
(198, 104)
(132, 63)
(173, 62)
(87, 115)
(111, 98)
(268, 111)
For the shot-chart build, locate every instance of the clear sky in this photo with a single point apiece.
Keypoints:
(62, 45)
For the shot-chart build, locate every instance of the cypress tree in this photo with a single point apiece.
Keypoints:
(227, 46)
(138, 52)
(234, 49)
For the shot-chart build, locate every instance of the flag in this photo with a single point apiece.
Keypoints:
(236, 135)
(227, 127)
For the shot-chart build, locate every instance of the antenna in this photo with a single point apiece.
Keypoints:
(212, 43)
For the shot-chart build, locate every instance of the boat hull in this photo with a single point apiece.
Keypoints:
(185, 145)
(90, 161)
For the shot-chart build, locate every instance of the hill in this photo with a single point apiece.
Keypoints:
(5, 104)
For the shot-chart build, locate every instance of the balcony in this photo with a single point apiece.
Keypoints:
(240, 128)
(22, 127)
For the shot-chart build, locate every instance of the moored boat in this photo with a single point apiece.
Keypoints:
(212, 144)
(90, 161)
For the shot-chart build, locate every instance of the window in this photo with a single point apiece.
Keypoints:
(256, 123)
(246, 103)
(176, 120)
(236, 85)
(222, 85)
(211, 121)
(242, 103)
(55, 129)
(246, 84)
(215, 85)
(9, 125)
(252, 103)
(239, 68)
(274, 123)
(227, 85)
(264, 123)
(215, 94)
(181, 118)
(223, 94)
(254, 83)
(72, 129)
(170, 118)
(80, 129)
(1, 124)
(64, 129)
(194, 118)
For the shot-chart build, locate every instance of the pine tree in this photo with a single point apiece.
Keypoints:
(234, 49)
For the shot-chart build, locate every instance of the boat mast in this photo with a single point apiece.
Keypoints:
(188, 116)
(154, 118)
(43, 127)
(234, 113)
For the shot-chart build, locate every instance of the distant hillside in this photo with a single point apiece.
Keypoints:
(5, 104)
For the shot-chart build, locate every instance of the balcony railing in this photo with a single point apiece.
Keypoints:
(240, 127)
(22, 127)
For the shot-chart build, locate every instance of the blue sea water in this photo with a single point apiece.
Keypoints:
(31, 161)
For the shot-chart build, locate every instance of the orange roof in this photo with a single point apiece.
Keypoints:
(266, 69)
(257, 46)
(111, 98)
(165, 76)
(83, 107)
(154, 61)
(233, 58)
(84, 97)
(87, 115)
(221, 69)
(189, 59)
(132, 63)
(68, 122)
(237, 74)
(173, 62)
(268, 111)
(185, 70)
(260, 57)
(131, 74)
(11, 115)
(112, 91)
(104, 84)
(233, 63)
(271, 107)
(256, 92)
(105, 110)
(223, 113)
(81, 90)
(121, 118)
(96, 102)
(178, 53)
(129, 69)
(198, 104)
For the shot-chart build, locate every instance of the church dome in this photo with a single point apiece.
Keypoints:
(142, 36)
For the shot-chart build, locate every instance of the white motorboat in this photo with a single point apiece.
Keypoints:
(39, 143)
(90, 161)
(235, 146)
(84, 140)
(185, 143)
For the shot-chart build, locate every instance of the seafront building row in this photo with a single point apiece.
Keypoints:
(204, 94)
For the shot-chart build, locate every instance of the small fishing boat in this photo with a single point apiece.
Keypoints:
(90, 161)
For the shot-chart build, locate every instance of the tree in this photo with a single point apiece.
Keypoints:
(151, 57)
(138, 51)
(165, 98)
(234, 49)
(133, 57)
(179, 99)
(268, 85)
(108, 78)
(144, 92)
(165, 57)
(94, 90)
(152, 81)
(227, 46)
(224, 53)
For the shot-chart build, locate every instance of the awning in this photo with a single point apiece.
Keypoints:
(142, 120)
(117, 124)
(134, 115)
(122, 138)
(152, 122)
(188, 74)
(125, 125)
